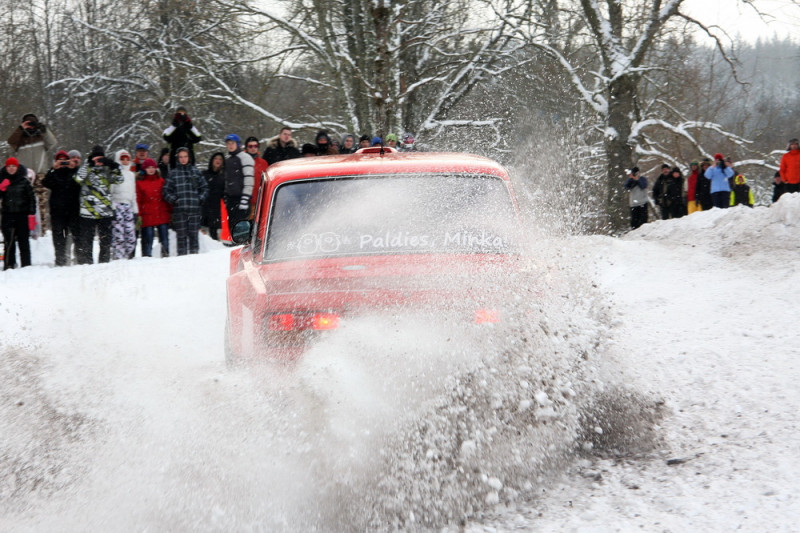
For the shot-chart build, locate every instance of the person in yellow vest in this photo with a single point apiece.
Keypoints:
(741, 193)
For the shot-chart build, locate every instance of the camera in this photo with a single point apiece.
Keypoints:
(63, 163)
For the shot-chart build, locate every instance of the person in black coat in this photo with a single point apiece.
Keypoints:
(65, 203)
(778, 187)
(702, 191)
(163, 162)
(182, 133)
(668, 193)
(281, 147)
(215, 179)
(19, 212)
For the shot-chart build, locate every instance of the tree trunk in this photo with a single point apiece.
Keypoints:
(621, 113)
(383, 67)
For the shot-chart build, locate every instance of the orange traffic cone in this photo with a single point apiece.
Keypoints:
(225, 229)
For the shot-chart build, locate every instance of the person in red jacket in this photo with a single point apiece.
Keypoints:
(154, 211)
(18, 214)
(691, 188)
(790, 167)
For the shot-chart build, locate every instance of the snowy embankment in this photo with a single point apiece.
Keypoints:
(707, 319)
(117, 413)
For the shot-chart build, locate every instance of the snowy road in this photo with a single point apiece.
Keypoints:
(117, 414)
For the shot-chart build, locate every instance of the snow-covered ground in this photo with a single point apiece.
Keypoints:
(117, 412)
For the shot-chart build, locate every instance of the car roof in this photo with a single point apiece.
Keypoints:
(372, 163)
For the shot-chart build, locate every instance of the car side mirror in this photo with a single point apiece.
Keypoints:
(241, 232)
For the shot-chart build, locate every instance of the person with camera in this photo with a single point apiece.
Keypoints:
(18, 214)
(31, 141)
(64, 203)
(182, 133)
(97, 210)
(637, 188)
(719, 174)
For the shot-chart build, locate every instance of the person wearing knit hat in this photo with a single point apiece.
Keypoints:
(719, 174)
(18, 212)
(790, 167)
(364, 141)
(239, 180)
(154, 211)
(64, 204)
(324, 145)
(95, 152)
(96, 207)
(391, 140)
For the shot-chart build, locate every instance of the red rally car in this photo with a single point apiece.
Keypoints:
(373, 233)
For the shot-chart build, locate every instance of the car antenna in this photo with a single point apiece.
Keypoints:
(382, 151)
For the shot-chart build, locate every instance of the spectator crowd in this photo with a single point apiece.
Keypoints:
(709, 184)
(129, 199)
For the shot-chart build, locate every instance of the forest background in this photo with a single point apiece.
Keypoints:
(568, 93)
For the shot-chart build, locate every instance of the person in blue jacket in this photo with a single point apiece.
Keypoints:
(719, 174)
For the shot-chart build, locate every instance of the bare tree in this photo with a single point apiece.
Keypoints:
(388, 65)
(609, 52)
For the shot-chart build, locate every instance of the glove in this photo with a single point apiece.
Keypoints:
(188, 122)
(177, 119)
(244, 203)
(138, 222)
(31, 222)
(4, 185)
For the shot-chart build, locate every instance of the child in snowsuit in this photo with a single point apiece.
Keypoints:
(741, 192)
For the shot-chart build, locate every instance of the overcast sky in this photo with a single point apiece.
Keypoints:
(742, 20)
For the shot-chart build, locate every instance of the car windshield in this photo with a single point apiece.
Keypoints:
(419, 213)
